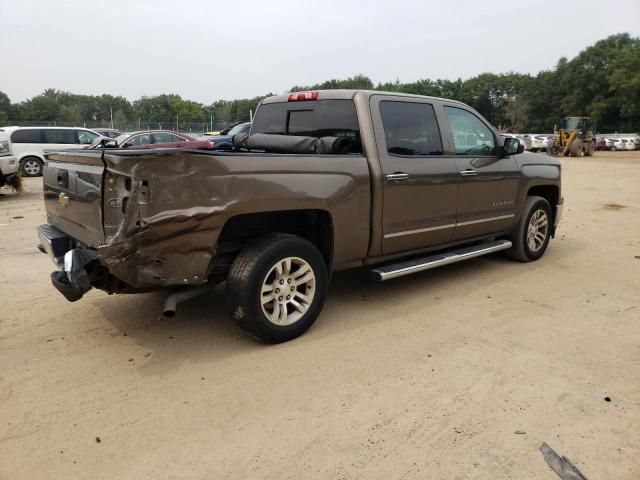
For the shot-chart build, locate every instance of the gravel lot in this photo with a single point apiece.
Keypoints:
(455, 373)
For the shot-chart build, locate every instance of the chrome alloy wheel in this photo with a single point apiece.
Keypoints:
(287, 291)
(32, 167)
(537, 230)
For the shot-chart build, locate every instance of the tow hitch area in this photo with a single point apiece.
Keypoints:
(74, 281)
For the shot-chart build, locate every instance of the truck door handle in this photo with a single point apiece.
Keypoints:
(397, 176)
(468, 173)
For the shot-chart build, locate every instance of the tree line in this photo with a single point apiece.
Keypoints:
(602, 81)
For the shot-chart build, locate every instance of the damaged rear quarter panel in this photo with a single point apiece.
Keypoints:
(178, 202)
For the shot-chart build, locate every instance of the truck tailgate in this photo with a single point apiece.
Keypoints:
(73, 194)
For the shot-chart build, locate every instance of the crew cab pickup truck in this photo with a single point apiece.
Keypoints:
(325, 181)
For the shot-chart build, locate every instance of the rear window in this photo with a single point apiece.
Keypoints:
(322, 118)
(60, 136)
(31, 135)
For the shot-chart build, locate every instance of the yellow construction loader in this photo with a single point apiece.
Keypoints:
(575, 137)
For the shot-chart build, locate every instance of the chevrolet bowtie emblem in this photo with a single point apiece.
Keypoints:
(63, 199)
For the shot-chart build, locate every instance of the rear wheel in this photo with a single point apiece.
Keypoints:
(588, 149)
(531, 235)
(276, 287)
(31, 167)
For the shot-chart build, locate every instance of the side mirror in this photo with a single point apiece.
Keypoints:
(512, 146)
(125, 145)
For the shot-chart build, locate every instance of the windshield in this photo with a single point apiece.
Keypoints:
(579, 123)
(120, 139)
(240, 128)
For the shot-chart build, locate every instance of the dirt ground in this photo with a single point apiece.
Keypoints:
(460, 372)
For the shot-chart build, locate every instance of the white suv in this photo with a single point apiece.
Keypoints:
(8, 162)
(28, 144)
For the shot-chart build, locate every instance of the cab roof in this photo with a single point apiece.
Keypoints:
(343, 94)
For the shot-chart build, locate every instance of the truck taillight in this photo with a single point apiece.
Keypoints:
(302, 96)
(211, 144)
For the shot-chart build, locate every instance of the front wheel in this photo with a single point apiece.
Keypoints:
(31, 167)
(576, 149)
(276, 287)
(531, 235)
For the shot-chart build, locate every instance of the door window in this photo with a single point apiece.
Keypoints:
(86, 137)
(470, 135)
(31, 135)
(60, 136)
(163, 138)
(410, 128)
(142, 139)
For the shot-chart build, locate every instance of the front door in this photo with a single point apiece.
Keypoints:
(420, 184)
(488, 183)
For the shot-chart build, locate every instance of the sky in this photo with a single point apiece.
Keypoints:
(212, 50)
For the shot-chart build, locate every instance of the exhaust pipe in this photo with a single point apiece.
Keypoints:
(173, 299)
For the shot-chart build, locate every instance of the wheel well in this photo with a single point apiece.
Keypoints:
(548, 192)
(27, 157)
(313, 225)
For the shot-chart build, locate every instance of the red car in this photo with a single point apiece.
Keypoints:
(601, 143)
(158, 139)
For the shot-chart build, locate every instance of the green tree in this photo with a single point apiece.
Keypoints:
(5, 107)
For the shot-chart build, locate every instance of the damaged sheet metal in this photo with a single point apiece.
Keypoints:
(164, 211)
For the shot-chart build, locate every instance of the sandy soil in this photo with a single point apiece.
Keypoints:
(428, 376)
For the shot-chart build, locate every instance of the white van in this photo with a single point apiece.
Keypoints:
(29, 143)
(8, 162)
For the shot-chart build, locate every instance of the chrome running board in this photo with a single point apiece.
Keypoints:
(438, 260)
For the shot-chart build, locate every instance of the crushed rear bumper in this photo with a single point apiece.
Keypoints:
(75, 263)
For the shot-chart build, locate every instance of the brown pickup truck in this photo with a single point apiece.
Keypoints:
(325, 181)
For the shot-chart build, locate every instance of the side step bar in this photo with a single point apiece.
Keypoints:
(427, 263)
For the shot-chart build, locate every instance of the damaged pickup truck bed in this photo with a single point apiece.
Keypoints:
(326, 181)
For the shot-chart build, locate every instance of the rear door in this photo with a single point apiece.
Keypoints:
(488, 183)
(420, 188)
(72, 193)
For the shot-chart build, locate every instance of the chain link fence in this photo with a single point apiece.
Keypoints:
(193, 128)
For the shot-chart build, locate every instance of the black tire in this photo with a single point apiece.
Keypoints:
(521, 249)
(31, 167)
(588, 149)
(253, 267)
(576, 149)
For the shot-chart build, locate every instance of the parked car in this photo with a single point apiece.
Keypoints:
(9, 165)
(107, 132)
(539, 143)
(621, 144)
(611, 143)
(156, 139)
(327, 180)
(636, 144)
(629, 144)
(601, 143)
(28, 144)
(224, 141)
